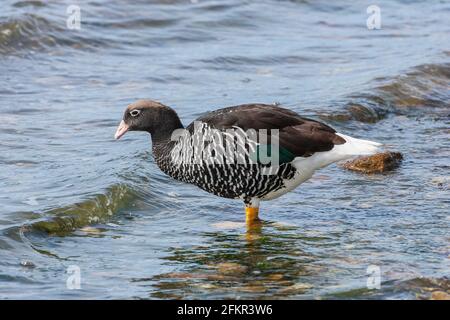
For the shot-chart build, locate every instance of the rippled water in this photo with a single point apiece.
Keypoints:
(71, 196)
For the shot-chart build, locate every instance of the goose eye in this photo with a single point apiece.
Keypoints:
(135, 113)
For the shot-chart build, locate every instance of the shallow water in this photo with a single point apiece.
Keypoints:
(72, 196)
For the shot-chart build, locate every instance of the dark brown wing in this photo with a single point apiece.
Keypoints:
(299, 136)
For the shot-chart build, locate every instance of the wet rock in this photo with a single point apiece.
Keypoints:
(377, 163)
(440, 295)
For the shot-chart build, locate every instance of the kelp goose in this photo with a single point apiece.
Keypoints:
(226, 151)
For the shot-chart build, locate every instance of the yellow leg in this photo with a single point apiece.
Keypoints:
(253, 224)
(251, 215)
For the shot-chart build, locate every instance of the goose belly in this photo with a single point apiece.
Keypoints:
(240, 181)
(289, 184)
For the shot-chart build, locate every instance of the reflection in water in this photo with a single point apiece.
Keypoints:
(266, 261)
(271, 261)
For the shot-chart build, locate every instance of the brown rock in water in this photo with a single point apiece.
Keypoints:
(440, 295)
(231, 268)
(377, 163)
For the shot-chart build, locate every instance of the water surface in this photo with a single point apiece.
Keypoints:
(72, 196)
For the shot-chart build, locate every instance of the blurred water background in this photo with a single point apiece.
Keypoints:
(72, 196)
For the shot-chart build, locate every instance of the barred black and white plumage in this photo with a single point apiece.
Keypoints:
(236, 181)
(303, 146)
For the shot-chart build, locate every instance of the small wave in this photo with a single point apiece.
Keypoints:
(31, 32)
(135, 23)
(425, 89)
(96, 210)
(25, 32)
(29, 3)
(239, 62)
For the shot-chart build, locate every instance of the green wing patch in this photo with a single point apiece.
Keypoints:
(263, 155)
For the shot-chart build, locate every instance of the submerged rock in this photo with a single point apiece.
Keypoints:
(231, 268)
(377, 163)
(363, 113)
(370, 109)
(298, 288)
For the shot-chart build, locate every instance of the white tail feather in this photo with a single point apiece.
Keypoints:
(351, 148)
